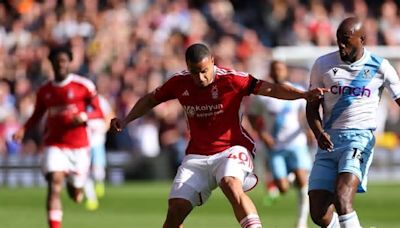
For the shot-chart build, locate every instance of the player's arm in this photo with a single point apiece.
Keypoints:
(312, 112)
(257, 124)
(142, 106)
(315, 123)
(38, 112)
(287, 92)
(96, 111)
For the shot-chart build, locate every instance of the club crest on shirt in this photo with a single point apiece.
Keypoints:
(335, 70)
(214, 92)
(366, 74)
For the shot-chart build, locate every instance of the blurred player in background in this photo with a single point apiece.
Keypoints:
(66, 146)
(285, 139)
(345, 135)
(220, 151)
(97, 130)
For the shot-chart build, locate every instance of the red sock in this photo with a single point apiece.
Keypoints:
(55, 218)
(55, 224)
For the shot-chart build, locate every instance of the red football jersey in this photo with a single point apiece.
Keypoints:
(60, 102)
(212, 112)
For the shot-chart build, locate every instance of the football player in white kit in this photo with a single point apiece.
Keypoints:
(97, 129)
(345, 136)
(285, 139)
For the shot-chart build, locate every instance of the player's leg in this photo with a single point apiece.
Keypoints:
(299, 162)
(191, 187)
(99, 169)
(55, 182)
(322, 210)
(302, 196)
(321, 187)
(279, 170)
(234, 175)
(178, 210)
(346, 189)
(55, 164)
(79, 172)
(243, 207)
(92, 202)
(353, 168)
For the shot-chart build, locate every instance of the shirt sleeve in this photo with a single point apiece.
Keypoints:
(315, 77)
(391, 79)
(246, 83)
(167, 91)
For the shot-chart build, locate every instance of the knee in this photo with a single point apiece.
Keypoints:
(343, 204)
(320, 217)
(231, 185)
(178, 206)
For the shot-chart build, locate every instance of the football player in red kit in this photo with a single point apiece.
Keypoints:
(63, 102)
(220, 151)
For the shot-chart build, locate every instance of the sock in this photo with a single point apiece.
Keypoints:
(251, 221)
(89, 190)
(334, 222)
(55, 218)
(303, 207)
(349, 220)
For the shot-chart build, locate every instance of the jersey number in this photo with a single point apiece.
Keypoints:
(243, 159)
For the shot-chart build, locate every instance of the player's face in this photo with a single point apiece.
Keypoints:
(349, 45)
(61, 65)
(202, 72)
(279, 72)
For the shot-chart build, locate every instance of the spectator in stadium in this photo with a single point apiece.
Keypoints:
(66, 154)
(345, 138)
(220, 151)
(285, 140)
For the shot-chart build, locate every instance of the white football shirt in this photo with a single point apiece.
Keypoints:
(356, 89)
(282, 119)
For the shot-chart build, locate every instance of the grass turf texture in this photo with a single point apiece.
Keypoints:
(144, 204)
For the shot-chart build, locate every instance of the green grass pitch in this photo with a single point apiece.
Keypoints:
(144, 204)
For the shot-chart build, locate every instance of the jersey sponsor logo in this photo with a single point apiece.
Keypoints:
(203, 110)
(351, 91)
(185, 94)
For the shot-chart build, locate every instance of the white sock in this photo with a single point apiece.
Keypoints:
(334, 222)
(303, 207)
(349, 220)
(90, 193)
(99, 174)
(55, 215)
(251, 221)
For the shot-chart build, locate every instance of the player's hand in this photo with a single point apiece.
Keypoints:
(19, 135)
(80, 118)
(316, 94)
(116, 125)
(324, 141)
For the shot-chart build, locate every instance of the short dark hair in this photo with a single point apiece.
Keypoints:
(197, 52)
(57, 50)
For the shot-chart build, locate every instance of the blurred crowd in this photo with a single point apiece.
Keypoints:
(129, 47)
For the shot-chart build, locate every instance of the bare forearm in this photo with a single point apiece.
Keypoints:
(314, 119)
(142, 106)
(281, 91)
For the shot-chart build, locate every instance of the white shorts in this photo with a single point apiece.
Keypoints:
(199, 174)
(74, 162)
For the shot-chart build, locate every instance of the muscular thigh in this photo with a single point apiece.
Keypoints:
(193, 180)
(235, 162)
